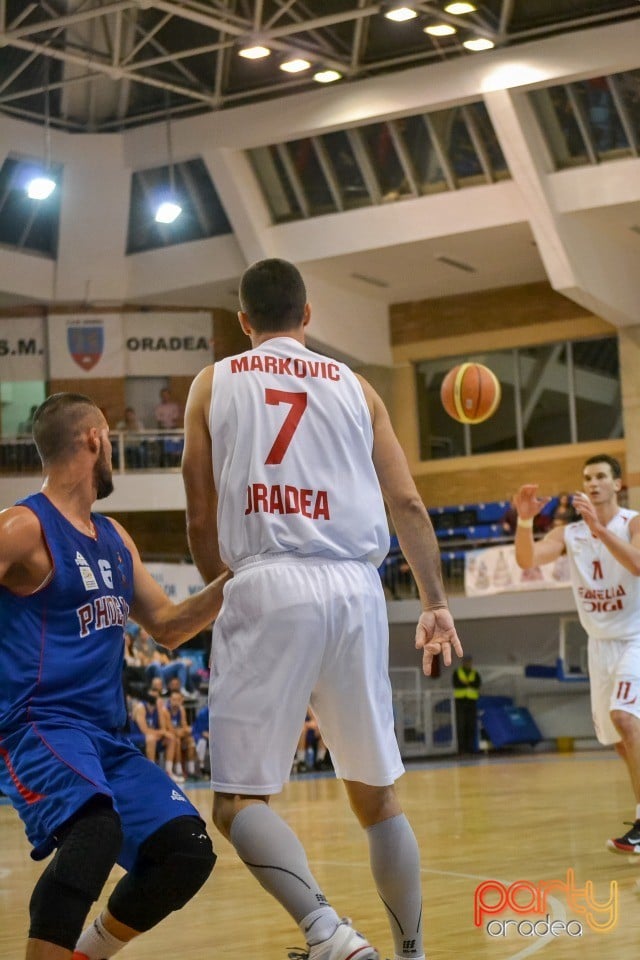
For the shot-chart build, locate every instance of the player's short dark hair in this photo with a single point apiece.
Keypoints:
(273, 295)
(57, 424)
(616, 469)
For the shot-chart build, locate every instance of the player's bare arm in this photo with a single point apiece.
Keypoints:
(24, 559)
(197, 473)
(530, 552)
(626, 553)
(435, 631)
(170, 624)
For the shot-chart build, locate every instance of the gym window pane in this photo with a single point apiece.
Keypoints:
(190, 185)
(26, 223)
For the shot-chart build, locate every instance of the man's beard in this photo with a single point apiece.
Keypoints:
(102, 476)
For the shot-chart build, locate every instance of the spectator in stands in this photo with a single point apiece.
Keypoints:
(130, 422)
(466, 690)
(311, 752)
(149, 715)
(200, 733)
(509, 520)
(185, 753)
(166, 666)
(564, 512)
(168, 413)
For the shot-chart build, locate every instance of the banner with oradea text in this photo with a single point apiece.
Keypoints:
(167, 344)
(22, 349)
(85, 346)
(494, 570)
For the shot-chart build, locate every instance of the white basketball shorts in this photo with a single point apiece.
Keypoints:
(614, 676)
(294, 631)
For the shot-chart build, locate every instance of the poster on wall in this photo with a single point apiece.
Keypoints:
(85, 346)
(494, 570)
(22, 349)
(167, 344)
(178, 580)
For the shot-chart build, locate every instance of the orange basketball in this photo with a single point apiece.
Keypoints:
(470, 393)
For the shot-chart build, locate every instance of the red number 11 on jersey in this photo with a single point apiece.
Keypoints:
(298, 403)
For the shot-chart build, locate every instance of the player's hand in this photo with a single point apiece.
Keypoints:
(587, 511)
(435, 634)
(528, 503)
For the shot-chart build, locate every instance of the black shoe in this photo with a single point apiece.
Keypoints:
(629, 843)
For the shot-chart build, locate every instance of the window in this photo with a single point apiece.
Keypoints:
(551, 394)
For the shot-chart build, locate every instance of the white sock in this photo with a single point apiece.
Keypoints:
(97, 943)
(638, 811)
(319, 925)
(168, 767)
(177, 769)
(191, 767)
(299, 756)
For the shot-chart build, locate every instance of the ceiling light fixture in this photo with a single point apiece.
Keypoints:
(459, 8)
(400, 14)
(169, 209)
(479, 43)
(327, 76)
(440, 30)
(295, 66)
(41, 185)
(255, 52)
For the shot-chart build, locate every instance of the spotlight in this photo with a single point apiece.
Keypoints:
(254, 53)
(458, 8)
(400, 14)
(168, 211)
(480, 43)
(327, 76)
(295, 66)
(440, 30)
(39, 188)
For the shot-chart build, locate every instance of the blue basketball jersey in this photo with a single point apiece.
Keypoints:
(62, 647)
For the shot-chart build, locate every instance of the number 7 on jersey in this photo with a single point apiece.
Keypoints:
(298, 401)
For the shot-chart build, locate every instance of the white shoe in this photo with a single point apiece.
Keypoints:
(345, 944)
(176, 777)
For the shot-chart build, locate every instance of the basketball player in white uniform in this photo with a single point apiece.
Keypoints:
(286, 452)
(604, 560)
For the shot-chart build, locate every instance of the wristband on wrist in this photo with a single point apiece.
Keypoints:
(525, 523)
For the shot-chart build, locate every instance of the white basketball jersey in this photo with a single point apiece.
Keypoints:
(292, 441)
(607, 595)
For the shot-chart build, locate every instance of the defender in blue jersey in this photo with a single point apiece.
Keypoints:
(69, 579)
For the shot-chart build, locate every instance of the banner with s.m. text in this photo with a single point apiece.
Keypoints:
(22, 349)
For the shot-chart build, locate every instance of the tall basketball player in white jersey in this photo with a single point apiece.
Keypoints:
(286, 452)
(604, 559)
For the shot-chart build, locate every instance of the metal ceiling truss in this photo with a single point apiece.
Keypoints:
(143, 52)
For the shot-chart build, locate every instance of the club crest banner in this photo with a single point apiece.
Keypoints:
(494, 570)
(22, 349)
(85, 346)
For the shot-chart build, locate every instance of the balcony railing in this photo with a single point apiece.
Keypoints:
(132, 452)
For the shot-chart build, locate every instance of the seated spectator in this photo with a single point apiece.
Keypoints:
(200, 733)
(185, 755)
(166, 667)
(509, 520)
(311, 752)
(564, 512)
(134, 449)
(149, 715)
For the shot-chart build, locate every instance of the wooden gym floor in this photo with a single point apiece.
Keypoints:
(529, 817)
